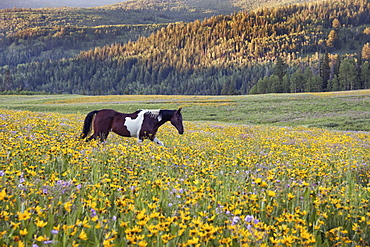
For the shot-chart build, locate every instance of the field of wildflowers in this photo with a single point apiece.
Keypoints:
(216, 185)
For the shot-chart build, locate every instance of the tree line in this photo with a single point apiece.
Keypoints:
(232, 54)
(331, 73)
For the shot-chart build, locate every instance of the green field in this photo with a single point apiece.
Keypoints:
(349, 110)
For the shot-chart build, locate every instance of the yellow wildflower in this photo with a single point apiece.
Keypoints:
(107, 243)
(23, 232)
(142, 243)
(67, 206)
(15, 225)
(24, 216)
(290, 196)
(3, 195)
(83, 235)
(40, 223)
(41, 238)
(271, 193)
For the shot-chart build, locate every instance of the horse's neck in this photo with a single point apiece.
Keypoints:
(161, 122)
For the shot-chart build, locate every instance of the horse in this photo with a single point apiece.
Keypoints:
(142, 124)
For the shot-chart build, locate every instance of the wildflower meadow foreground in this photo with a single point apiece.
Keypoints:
(217, 185)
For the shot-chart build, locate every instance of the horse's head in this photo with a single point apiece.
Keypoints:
(176, 121)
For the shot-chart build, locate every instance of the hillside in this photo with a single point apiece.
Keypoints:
(28, 35)
(221, 55)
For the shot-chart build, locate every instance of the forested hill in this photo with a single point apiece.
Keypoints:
(222, 55)
(28, 35)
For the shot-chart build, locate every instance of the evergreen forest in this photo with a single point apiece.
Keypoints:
(301, 47)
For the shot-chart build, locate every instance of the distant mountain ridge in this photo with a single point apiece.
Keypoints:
(8, 4)
(211, 6)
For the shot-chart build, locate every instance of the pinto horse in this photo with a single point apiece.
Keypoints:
(142, 124)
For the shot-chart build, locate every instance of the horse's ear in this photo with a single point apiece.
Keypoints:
(179, 110)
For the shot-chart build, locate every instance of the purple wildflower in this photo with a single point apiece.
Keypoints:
(248, 218)
(235, 220)
(93, 212)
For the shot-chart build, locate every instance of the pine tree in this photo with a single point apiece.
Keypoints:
(276, 85)
(297, 82)
(333, 41)
(7, 81)
(365, 75)
(313, 84)
(286, 84)
(280, 68)
(348, 75)
(325, 71)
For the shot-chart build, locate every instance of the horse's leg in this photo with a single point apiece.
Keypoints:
(153, 138)
(91, 137)
(156, 140)
(101, 128)
(103, 136)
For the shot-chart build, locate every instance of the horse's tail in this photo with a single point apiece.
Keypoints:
(87, 124)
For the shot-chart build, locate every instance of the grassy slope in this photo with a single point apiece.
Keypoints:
(348, 110)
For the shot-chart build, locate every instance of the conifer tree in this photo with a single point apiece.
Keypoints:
(348, 76)
(325, 71)
(297, 82)
(333, 40)
(280, 68)
(365, 75)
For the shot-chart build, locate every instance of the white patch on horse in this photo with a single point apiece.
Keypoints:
(134, 125)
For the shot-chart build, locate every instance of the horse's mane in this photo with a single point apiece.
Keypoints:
(159, 114)
(152, 113)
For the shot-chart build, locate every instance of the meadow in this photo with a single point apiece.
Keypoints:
(268, 177)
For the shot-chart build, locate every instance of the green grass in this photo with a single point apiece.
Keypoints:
(349, 110)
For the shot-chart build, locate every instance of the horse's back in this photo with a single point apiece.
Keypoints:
(104, 118)
(107, 113)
